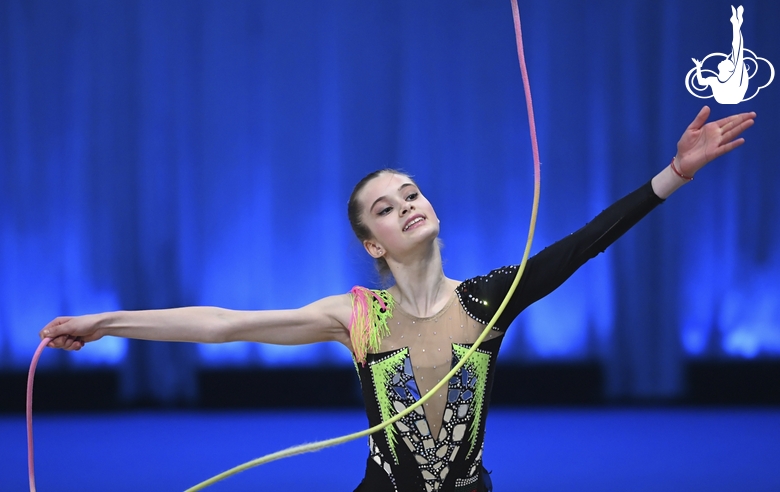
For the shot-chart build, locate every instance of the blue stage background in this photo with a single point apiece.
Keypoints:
(166, 153)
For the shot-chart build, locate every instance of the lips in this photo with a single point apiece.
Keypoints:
(413, 220)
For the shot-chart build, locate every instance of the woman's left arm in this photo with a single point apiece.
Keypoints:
(549, 268)
(699, 145)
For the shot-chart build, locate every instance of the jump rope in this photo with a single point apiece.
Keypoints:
(316, 446)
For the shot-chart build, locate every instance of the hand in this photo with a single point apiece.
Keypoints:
(71, 333)
(702, 143)
(696, 62)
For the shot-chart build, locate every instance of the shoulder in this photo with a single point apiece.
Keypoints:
(363, 299)
(336, 308)
(480, 296)
(369, 312)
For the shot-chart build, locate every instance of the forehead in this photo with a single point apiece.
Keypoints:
(383, 185)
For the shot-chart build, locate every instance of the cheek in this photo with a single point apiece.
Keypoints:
(383, 229)
(377, 227)
(429, 207)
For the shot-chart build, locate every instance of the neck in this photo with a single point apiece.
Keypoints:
(421, 288)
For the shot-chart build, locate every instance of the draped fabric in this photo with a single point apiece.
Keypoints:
(166, 153)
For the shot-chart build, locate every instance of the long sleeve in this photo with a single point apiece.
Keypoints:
(548, 269)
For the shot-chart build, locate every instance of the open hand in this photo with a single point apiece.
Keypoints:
(702, 143)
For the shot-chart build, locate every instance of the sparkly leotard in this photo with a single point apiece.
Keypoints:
(438, 447)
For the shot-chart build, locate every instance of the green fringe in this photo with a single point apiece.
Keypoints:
(382, 372)
(369, 321)
(478, 364)
(380, 316)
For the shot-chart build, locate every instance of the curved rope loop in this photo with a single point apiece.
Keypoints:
(316, 446)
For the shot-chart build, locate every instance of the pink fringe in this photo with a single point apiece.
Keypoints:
(362, 332)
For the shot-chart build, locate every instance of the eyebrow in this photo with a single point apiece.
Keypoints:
(385, 196)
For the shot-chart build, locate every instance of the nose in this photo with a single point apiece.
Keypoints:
(406, 208)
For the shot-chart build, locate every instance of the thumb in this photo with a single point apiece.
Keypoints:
(700, 119)
(55, 328)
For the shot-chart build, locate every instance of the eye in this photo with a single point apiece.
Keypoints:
(412, 196)
(385, 211)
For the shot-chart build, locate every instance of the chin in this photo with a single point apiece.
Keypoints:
(431, 235)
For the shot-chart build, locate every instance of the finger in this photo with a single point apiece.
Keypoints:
(698, 122)
(735, 118)
(53, 329)
(725, 149)
(735, 131)
(73, 343)
(58, 342)
(46, 330)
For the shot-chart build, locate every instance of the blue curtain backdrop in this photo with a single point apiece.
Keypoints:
(166, 153)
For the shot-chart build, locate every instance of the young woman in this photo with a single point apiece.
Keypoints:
(406, 338)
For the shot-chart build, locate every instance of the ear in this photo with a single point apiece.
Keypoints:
(373, 248)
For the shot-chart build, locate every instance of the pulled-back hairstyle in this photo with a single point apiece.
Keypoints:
(355, 211)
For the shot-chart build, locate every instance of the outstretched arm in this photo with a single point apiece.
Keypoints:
(701, 144)
(549, 268)
(323, 320)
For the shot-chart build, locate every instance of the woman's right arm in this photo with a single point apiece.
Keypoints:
(320, 321)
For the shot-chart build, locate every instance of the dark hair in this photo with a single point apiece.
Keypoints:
(354, 211)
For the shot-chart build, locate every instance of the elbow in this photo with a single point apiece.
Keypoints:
(221, 328)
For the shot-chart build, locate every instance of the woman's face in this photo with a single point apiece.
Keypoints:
(399, 217)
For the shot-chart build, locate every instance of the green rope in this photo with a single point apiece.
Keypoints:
(316, 446)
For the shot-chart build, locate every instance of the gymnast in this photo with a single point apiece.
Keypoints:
(405, 339)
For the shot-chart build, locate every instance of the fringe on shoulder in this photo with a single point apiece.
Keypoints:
(368, 323)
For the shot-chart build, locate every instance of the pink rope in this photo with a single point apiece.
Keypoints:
(30, 377)
(527, 87)
(537, 173)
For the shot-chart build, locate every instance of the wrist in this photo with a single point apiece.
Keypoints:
(677, 170)
(103, 322)
(667, 182)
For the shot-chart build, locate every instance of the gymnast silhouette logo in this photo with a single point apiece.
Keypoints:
(735, 70)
